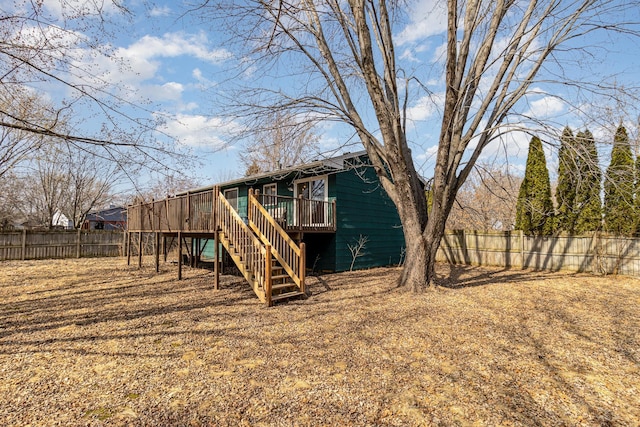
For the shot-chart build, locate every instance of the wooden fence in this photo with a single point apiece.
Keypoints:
(20, 245)
(597, 253)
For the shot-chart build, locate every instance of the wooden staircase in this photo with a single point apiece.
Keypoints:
(272, 263)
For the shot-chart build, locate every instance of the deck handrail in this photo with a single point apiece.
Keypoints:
(250, 248)
(283, 248)
(298, 213)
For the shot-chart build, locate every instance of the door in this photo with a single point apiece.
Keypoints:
(312, 208)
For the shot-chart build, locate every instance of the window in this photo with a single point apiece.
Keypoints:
(269, 194)
(312, 188)
(232, 197)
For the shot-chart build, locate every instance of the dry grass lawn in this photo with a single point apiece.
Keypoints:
(95, 342)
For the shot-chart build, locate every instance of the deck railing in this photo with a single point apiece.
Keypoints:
(284, 249)
(298, 214)
(190, 212)
(248, 246)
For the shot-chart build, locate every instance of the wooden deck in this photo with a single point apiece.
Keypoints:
(261, 245)
(192, 214)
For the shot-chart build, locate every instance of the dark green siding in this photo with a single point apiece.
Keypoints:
(364, 209)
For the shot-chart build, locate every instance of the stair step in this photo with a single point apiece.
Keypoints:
(279, 276)
(286, 296)
(282, 286)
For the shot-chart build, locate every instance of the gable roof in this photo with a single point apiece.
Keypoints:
(114, 214)
(317, 167)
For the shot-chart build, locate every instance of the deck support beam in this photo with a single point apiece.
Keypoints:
(128, 248)
(156, 250)
(164, 247)
(139, 249)
(179, 255)
(216, 260)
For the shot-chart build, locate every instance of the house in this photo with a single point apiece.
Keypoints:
(327, 215)
(113, 218)
(346, 205)
(60, 221)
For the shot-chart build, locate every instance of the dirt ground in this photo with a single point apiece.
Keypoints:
(97, 342)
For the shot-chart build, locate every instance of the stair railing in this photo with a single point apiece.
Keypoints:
(249, 247)
(284, 249)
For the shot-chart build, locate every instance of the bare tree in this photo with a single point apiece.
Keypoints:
(44, 187)
(486, 201)
(45, 46)
(357, 249)
(16, 144)
(10, 201)
(281, 141)
(494, 53)
(90, 180)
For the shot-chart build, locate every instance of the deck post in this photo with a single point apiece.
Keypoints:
(128, 248)
(214, 210)
(303, 266)
(334, 219)
(156, 251)
(164, 247)
(168, 223)
(188, 210)
(124, 243)
(192, 255)
(179, 255)
(267, 276)
(216, 260)
(139, 249)
(299, 211)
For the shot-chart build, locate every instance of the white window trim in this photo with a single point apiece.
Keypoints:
(273, 184)
(237, 190)
(313, 178)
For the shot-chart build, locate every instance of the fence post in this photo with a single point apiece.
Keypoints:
(465, 251)
(78, 246)
(23, 252)
(521, 249)
(594, 251)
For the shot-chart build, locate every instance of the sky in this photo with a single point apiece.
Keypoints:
(177, 64)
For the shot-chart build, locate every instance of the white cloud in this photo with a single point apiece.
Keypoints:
(71, 9)
(200, 131)
(426, 107)
(428, 18)
(172, 45)
(171, 91)
(137, 68)
(160, 11)
(545, 107)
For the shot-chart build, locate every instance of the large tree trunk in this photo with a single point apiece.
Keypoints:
(422, 243)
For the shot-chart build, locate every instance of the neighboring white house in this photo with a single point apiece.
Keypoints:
(60, 220)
